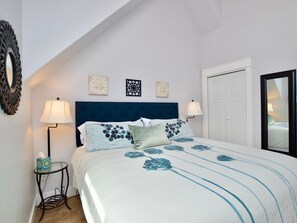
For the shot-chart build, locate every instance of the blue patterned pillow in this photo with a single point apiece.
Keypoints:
(82, 127)
(175, 128)
(103, 136)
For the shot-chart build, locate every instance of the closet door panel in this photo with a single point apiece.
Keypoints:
(227, 106)
(216, 97)
(235, 123)
(236, 107)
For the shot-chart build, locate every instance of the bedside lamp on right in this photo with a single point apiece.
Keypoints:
(270, 108)
(193, 109)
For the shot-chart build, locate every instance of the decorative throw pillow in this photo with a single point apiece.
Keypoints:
(175, 128)
(145, 137)
(82, 127)
(103, 136)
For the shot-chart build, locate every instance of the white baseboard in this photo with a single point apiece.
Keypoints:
(32, 213)
(71, 192)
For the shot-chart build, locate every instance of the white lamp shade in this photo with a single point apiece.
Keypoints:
(269, 107)
(56, 112)
(193, 109)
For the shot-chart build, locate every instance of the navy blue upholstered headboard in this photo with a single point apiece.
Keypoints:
(121, 111)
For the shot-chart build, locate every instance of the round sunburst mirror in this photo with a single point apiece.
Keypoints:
(10, 70)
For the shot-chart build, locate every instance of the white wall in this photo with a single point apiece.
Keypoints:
(157, 41)
(16, 152)
(265, 30)
(52, 26)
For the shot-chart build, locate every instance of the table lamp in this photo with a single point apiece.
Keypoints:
(270, 108)
(193, 109)
(55, 112)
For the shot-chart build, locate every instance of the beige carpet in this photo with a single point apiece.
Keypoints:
(63, 214)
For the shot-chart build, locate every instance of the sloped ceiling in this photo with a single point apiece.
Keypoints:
(37, 69)
(206, 15)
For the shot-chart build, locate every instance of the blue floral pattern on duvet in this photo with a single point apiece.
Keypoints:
(152, 163)
(134, 154)
(174, 148)
(153, 151)
(200, 147)
(184, 139)
(224, 158)
(165, 164)
(224, 161)
(157, 164)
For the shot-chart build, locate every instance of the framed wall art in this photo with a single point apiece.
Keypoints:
(133, 88)
(162, 89)
(98, 85)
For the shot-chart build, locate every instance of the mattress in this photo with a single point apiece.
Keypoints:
(188, 181)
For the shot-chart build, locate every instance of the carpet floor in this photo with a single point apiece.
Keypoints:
(63, 214)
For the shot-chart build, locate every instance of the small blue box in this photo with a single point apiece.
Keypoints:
(44, 164)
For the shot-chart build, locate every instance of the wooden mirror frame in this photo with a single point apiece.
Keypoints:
(291, 75)
(10, 93)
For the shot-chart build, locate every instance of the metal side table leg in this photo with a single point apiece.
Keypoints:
(67, 185)
(42, 204)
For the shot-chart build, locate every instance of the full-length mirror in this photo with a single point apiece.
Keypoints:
(278, 105)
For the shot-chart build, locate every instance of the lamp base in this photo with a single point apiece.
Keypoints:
(49, 139)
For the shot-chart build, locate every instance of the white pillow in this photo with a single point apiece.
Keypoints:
(82, 127)
(145, 121)
(175, 128)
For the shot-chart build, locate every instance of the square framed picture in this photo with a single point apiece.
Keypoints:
(162, 89)
(133, 88)
(98, 85)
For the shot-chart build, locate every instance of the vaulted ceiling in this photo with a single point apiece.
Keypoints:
(206, 14)
(41, 58)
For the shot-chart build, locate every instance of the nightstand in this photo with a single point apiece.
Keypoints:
(58, 199)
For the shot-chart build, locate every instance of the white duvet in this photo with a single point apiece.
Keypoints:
(197, 182)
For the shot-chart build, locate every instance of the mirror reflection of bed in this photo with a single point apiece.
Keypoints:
(277, 108)
(278, 136)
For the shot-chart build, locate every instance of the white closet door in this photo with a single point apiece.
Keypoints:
(227, 108)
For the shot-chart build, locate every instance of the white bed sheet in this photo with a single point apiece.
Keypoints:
(253, 186)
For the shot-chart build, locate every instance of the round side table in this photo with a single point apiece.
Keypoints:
(56, 200)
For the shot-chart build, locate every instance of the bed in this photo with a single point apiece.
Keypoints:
(278, 136)
(189, 180)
